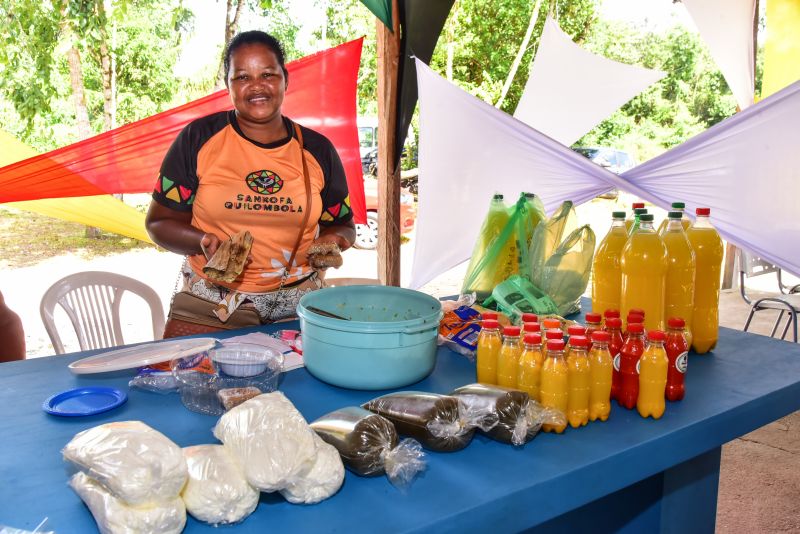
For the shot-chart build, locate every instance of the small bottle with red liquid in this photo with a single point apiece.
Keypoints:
(629, 356)
(678, 354)
(614, 329)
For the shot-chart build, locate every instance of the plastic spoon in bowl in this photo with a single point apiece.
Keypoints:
(326, 313)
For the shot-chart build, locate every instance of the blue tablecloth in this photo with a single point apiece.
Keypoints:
(748, 381)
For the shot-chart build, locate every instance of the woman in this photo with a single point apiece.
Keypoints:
(245, 170)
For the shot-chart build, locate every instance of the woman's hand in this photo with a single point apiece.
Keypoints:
(342, 234)
(209, 244)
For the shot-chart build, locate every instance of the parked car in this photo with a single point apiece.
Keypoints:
(367, 234)
(616, 161)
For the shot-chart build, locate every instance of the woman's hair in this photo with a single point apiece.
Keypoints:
(255, 37)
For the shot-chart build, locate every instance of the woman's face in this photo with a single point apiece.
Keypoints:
(256, 83)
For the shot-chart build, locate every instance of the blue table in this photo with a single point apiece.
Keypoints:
(628, 474)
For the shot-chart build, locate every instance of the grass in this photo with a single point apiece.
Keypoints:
(27, 238)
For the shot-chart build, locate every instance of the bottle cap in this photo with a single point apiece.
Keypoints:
(618, 214)
(638, 205)
(614, 322)
(601, 336)
(646, 217)
(531, 327)
(656, 335)
(491, 323)
(555, 344)
(636, 328)
(551, 323)
(530, 318)
(611, 313)
(634, 318)
(511, 331)
(593, 317)
(679, 205)
(636, 311)
(497, 196)
(579, 341)
(554, 333)
(576, 330)
(533, 339)
(489, 315)
(703, 211)
(676, 322)
(529, 195)
(675, 215)
(640, 212)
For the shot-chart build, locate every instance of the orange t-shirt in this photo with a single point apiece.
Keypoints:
(231, 183)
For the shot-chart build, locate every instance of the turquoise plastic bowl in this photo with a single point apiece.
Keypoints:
(389, 341)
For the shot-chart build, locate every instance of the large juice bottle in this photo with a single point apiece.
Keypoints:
(489, 343)
(637, 220)
(508, 358)
(554, 385)
(614, 329)
(484, 282)
(708, 252)
(529, 372)
(629, 356)
(652, 377)
(606, 271)
(632, 219)
(528, 328)
(679, 289)
(685, 222)
(579, 376)
(644, 272)
(678, 354)
(602, 367)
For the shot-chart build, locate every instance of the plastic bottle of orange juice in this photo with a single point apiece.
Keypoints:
(594, 322)
(644, 272)
(708, 252)
(489, 342)
(629, 222)
(685, 222)
(601, 368)
(653, 377)
(508, 358)
(573, 330)
(530, 365)
(554, 385)
(679, 290)
(528, 328)
(579, 380)
(637, 220)
(606, 273)
(551, 333)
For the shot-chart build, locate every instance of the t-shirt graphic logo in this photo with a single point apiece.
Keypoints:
(264, 182)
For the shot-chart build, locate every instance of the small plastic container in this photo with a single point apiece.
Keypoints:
(235, 365)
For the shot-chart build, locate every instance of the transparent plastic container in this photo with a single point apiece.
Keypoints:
(235, 365)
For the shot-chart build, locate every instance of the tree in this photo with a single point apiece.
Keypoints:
(233, 12)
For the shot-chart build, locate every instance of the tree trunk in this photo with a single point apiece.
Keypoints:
(231, 26)
(108, 76)
(521, 52)
(78, 95)
(451, 45)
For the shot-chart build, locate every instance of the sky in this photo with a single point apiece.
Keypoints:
(209, 22)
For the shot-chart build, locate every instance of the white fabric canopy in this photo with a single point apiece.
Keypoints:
(570, 90)
(727, 28)
(744, 169)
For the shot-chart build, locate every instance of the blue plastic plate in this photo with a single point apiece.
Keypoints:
(84, 401)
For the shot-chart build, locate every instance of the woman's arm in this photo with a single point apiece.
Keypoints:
(343, 235)
(173, 230)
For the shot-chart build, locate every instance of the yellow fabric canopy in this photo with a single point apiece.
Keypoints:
(101, 211)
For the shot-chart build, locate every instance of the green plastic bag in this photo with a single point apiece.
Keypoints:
(502, 248)
(563, 274)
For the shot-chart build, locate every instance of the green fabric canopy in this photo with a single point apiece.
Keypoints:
(381, 9)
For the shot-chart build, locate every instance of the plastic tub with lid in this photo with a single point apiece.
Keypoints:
(388, 340)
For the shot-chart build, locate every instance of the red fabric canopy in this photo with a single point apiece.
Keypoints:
(321, 95)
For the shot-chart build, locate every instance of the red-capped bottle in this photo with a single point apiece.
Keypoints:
(593, 324)
(608, 314)
(629, 355)
(614, 329)
(633, 318)
(489, 316)
(678, 353)
(576, 330)
(529, 318)
(529, 328)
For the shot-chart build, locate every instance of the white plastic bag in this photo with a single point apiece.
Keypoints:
(113, 516)
(216, 492)
(321, 481)
(135, 463)
(269, 439)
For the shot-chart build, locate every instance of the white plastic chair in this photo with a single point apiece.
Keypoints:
(787, 301)
(91, 300)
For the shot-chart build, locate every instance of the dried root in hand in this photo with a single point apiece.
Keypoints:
(228, 261)
(324, 255)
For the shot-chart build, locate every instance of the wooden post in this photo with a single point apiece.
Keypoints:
(388, 174)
